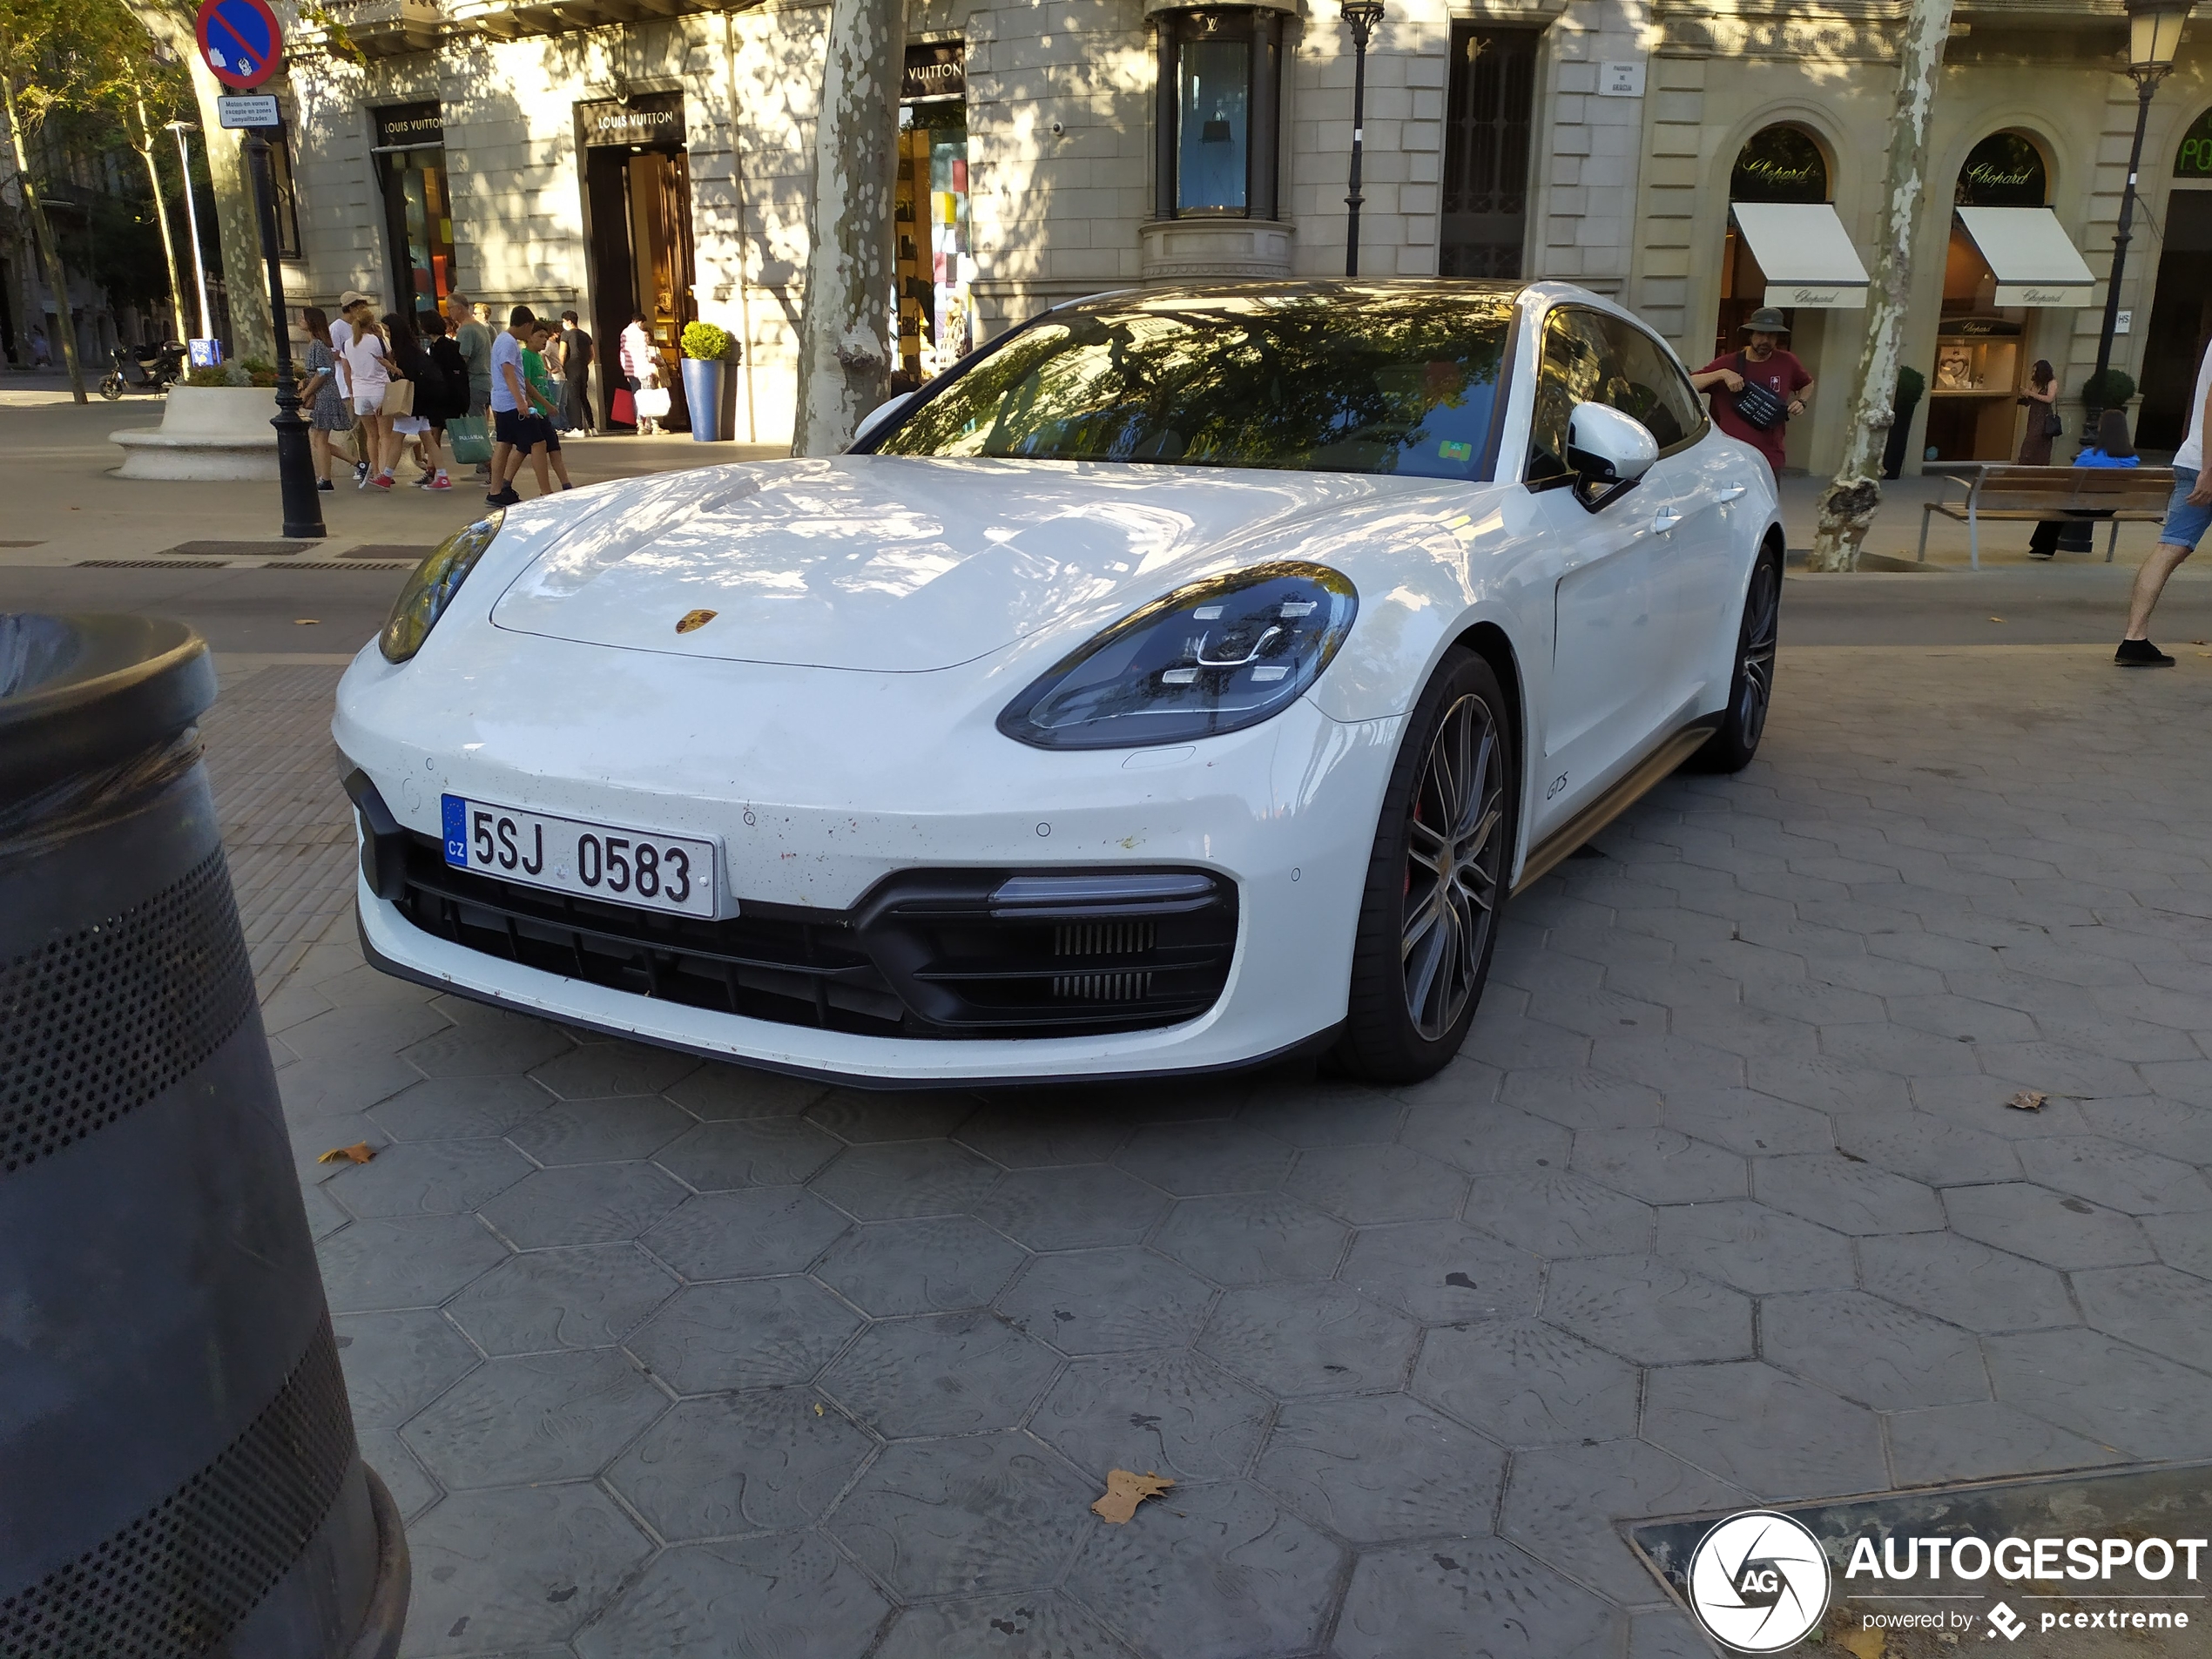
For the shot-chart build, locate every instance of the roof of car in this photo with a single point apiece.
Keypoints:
(1339, 289)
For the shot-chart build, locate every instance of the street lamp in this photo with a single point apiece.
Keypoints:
(192, 225)
(1362, 16)
(2154, 37)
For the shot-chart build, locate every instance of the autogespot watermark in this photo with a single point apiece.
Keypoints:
(1760, 1581)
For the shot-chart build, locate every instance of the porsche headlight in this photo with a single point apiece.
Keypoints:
(430, 590)
(1217, 655)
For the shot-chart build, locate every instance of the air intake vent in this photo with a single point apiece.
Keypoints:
(1103, 938)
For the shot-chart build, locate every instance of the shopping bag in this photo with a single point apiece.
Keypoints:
(399, 399)
(624, 408)
(653, 402)
(471, 443)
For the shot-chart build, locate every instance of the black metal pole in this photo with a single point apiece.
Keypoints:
(1361, 25)
(2145, 84)
(296, 459)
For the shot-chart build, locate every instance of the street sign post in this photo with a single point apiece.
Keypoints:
(252, 110)
(241, 41)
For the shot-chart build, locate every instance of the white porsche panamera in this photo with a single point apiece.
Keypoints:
(1183, 681)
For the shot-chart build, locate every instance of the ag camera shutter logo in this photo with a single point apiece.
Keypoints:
(1758, 1581)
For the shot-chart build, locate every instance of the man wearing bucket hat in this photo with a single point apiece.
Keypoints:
(1757, 390)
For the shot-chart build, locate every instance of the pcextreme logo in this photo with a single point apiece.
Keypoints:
(1758, 1581)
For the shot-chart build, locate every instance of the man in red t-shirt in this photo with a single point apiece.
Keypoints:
(1763, 362)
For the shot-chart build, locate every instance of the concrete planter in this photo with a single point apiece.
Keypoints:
(207, 433)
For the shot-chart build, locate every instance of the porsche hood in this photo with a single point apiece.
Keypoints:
(890, 565)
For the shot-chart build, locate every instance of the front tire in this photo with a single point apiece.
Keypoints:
(112, 388)
(1750, 687)
(1436, 880)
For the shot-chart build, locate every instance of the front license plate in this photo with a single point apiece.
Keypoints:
(671, 873)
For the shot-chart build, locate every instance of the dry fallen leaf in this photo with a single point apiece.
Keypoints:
(2028, 1100)
(818, 1408)
(1863, 1645)
(358, 1152)
(307, 621)
(1997, 619)
(1125, 1491)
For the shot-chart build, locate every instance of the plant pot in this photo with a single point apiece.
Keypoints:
(702, 381)
(208, 433)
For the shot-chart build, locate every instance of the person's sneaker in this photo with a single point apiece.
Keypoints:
(323, 486)
(506, 497)
(438, 483)
(382, 480)
(2141, 653)
(361, 473)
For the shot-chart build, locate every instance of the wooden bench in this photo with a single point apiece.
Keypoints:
(2133, 494)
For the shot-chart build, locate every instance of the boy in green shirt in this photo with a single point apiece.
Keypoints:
(538, 439)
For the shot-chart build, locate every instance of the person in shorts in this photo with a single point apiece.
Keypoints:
(2188, 514)
(537, 440)
(509, 403)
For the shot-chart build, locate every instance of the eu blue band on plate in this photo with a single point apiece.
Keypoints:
(455, 814)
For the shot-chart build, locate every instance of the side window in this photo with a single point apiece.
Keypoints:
(1578, 366)
(1652, 387)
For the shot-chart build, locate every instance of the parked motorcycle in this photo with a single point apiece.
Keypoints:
(144, 368)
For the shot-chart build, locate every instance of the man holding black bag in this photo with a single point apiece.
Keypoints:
(1757, 390)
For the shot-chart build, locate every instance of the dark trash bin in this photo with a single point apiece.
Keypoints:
(179, 1476)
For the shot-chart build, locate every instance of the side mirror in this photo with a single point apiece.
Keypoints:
(1608, 452)
(878, 418)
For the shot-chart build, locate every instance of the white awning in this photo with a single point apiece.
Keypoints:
(2027, 249)
(1806, 254)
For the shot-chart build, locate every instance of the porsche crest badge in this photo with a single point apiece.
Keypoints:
(693, 621)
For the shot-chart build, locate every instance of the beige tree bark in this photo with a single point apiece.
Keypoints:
(844, 344)
(1848, 505)
(49, 252)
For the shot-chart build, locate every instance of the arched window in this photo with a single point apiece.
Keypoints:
(1780, 164)
(2005, 170)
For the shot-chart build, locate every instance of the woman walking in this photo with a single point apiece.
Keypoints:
(2041, 399)
(368, 365)
(413, 363)
(328, 414)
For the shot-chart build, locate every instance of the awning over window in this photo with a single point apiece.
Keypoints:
(2028, 249)
(1806, 254)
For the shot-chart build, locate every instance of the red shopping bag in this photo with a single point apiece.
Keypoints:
(624, 409)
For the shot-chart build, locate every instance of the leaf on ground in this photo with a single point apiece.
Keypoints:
(1997, 619)
(1863, 1645)
(2028, 1100)
(1125, 1491)
(358, 1152)
(307, 621)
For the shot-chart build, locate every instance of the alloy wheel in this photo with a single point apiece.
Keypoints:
(1454, 844)
(1755, 666)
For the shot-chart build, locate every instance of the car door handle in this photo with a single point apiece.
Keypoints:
(1730, 492)
(1665, 521)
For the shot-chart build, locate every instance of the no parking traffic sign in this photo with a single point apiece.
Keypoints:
(239, 40)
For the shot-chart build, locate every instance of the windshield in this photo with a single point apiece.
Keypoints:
(1341, 380)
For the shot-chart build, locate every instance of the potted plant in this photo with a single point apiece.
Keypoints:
(706, 370)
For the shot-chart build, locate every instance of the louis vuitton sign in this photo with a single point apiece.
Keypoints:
(934, 69)
(656, 117)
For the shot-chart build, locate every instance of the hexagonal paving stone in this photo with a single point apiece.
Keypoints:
(1525, 1383)
(397, 1364)
(749, 1152)
(1252, 1238)
(601, 1131)
(1648, 1310)
(756, 1232)
(1486, 1136)
(1079, 1206)
(1193, 1159)
(2158, 1308)
(1168, 1412)
(429, 1178)
(1221, 1573)
(754, 1461)
(1985, 1440)
(718, 1090)
(1325, 1112)
(2065, 1233)
(1443, 1272)
(1476, 1596)
(316, 1089)
(1851, 1197)
(1577, 1098)
(1871, 1350)
(2118, 1177)
(1367, 1186)
(2114, 1392)
(1017, 1134)
(486, 1042)
(1748, 1122)
(585, 1298)
(586, 1203)
(784, 1592)
(1013, 1626)
(600, 1069)
(412, 1490)
(1564, 1503)
(370, 1028)
(538, 1417)
(416, 1261)
(932, 1265)
(501, 1571)
(2167, 1127)
(1106, 1301)
(1557, 1214)
(1323, 1338)
(1929, 1150)
(1754, 1248)
(861, 1115)
(2183, 1241)
(897, 1178)
(1764, 1430)
(1829, 1084)
(447, 1109)
(1659, 1165)
(966, 1515)
(1381, 1468)
(948, 1373)
(747, 1334)
(1966, 1283)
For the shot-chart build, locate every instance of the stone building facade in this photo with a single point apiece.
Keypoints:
(607, 155)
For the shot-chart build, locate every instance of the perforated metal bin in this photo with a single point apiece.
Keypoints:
(179, 1476)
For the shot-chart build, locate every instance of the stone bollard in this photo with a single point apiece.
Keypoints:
(179, 1476)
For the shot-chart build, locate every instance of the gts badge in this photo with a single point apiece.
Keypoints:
(1558, 783)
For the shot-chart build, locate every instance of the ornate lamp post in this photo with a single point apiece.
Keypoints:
(1362, 16)
(296, 457)
(2154, 37)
